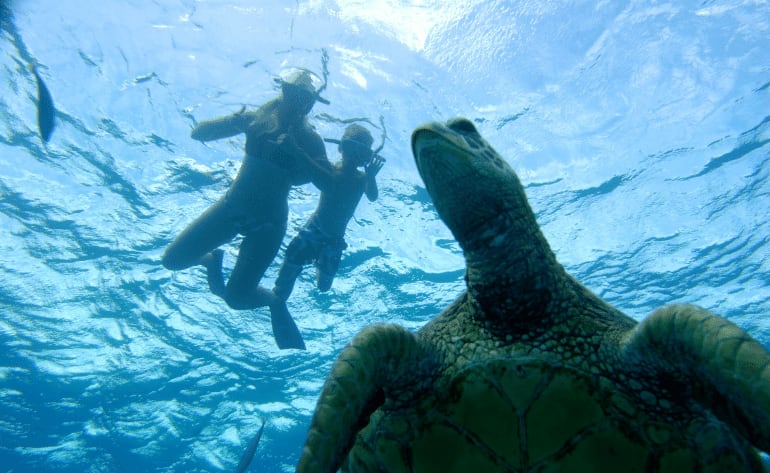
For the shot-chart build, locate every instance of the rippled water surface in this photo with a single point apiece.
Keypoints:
(641, 131)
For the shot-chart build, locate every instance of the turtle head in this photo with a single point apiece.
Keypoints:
(510, 267)
(471, 184)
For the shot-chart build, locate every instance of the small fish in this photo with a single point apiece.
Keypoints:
(144, 78)
(45, 108)
(249, 453)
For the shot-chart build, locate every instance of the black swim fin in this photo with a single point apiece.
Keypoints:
(285, 330)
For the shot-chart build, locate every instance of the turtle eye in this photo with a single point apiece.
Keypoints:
(461, 125)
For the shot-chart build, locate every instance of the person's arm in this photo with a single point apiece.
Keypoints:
(372, 169)
(318, 167)
(223, 127)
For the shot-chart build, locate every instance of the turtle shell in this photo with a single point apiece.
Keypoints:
(534, 416)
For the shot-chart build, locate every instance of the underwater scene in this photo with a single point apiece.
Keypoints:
(640, 132)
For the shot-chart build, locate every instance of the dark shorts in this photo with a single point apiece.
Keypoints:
(312, 245)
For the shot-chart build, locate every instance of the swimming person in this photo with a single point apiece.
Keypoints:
(256, 204)
(45, 108)
(322, 239)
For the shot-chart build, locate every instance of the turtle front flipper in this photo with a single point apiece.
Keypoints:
(728, 370)
(378, 359)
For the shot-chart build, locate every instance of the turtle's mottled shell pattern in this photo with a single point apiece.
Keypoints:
(511, 407)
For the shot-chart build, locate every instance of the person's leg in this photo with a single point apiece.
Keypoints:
(244, 292)
(299, 252)
(256, 253)
(327, 265)
(211, 229)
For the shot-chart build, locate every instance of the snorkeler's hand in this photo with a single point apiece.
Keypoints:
(287, 144)
(374, 166)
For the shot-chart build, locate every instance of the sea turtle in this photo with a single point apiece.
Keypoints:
(528, 371)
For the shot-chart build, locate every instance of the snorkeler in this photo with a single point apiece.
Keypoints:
(322, 239)
(256, 204)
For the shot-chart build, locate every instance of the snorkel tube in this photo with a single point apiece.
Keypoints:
(318, 84)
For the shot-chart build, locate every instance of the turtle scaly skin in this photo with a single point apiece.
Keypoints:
(528, 371)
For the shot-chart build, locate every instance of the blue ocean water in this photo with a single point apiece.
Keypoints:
(640, 129)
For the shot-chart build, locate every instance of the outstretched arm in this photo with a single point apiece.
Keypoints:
(372, 169)
(223, 127)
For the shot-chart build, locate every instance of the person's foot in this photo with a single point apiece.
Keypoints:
(213, 261)
(213, 264)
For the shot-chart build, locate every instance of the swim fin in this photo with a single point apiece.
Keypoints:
(285, 330)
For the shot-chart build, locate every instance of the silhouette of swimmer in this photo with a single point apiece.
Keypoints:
(45, 107)
(256, 204)
(322, 239)
(251, 448)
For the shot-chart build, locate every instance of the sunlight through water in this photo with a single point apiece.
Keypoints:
(640, 130)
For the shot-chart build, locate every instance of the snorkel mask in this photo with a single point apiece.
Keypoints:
(301, 85)
(357, 142)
